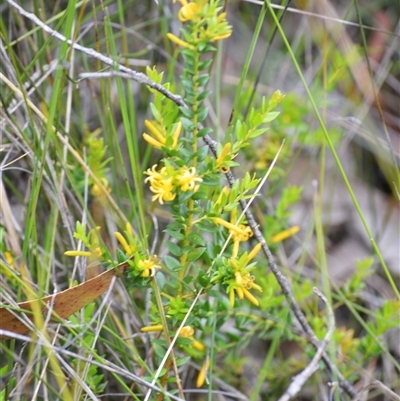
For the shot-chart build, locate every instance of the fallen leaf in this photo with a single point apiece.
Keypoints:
(63, 304)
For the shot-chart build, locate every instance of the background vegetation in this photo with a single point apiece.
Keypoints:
(72, 150)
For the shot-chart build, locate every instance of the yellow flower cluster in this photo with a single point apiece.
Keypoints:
(210, 27)
(244, 281)
(240, 233)
(160, 184)
(167, 181)
(237, 276)
(241, 281)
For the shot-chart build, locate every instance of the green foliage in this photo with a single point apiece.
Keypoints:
(172, 199)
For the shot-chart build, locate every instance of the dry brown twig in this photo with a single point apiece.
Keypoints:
(282, 280)
(378, 385)
(299, 380)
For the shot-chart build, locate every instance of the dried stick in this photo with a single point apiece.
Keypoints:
(300, 379)
(378, 385)
(143, 79)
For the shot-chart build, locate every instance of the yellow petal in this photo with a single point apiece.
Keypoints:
(250, 297)
(239, 292)
(201, 378)
(128, 228)
(179, 42)
(232, 298)
(175, 135)
(187, 12)
(285, 234)
(156, 132)
(121, 239)
(228, 225)
(148, 329)
(254, 252)
(198, 345)
(149, 139)
(238, 277)
(221, 37)
(256, 287)
(78, 253)
(225, 150)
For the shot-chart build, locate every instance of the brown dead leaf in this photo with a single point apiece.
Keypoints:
(63, 304)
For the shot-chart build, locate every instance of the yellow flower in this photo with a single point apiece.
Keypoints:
(210, 26)
(9, 259)
(241, 287)
(240, 233)
(79, 253)
(222, 37)
(179, 42)
(187, 179)
(190, 10)
(188, 332)
(201, 378)
(242, 281)
(128, 248)
(98, 192)
(285, 234)
(158, 138)
(276, 97)
(175, 135)
(160, 184)
(96, 252)
(253, 253)
(225, 157)
(149, 329)
(229, 226)
(148, 266)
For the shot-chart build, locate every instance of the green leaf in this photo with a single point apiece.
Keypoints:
(157, 115)
(203, 79)
(182, 361)
(199, 195)
(161, 280)
(174, 248)
(271, 116)
(204, 132)
(175, 234)
(202, 114)
(258, 132)
(158, 349)
(205, 226)
(201, 153)
(184, 341)
(203, 279)
(121, 256)
(203, 95)
(196, 239)
(205, 64)
(172, 263)
(186, 112)
(187, 124)
(195, 254)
